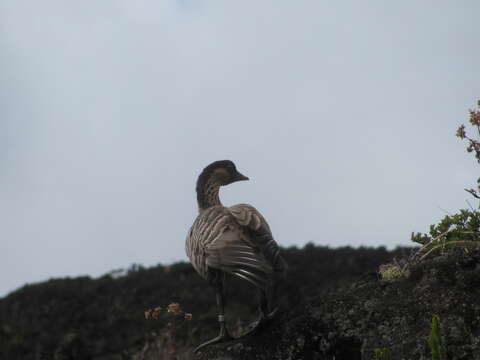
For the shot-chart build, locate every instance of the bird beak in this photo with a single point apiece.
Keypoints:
(240, 177)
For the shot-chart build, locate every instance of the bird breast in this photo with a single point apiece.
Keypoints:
(207, 228)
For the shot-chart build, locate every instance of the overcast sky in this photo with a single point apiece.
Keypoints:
(342, 114)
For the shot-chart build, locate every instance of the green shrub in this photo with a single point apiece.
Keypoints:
(462, 228)
(435, 341)
(381, 354)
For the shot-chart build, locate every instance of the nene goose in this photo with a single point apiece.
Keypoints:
(232, 240)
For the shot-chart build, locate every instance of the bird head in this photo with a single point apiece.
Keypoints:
(223, 172)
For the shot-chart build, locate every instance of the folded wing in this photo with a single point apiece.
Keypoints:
(246, 248)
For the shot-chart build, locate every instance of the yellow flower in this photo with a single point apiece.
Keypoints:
(174, 308)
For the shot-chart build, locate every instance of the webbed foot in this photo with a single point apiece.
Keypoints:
(222, 337)
(263, 320)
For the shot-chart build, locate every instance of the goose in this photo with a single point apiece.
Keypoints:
(233, 240)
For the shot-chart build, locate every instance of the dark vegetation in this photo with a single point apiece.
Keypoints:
(84, 318)
(343, 304)
(432, 312)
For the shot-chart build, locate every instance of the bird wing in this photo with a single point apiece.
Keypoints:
(244, 247)
(260, 234)
(231, 254)
(247, 215)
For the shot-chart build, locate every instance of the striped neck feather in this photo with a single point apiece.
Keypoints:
(208, 193)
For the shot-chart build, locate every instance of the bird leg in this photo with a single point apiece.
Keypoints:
(265, 315)
(223, 335)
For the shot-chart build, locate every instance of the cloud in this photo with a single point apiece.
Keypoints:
(342, 115)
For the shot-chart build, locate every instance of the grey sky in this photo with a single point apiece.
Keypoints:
(341, 113)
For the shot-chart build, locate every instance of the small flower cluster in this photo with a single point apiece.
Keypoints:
(153, 313)
(173, 308)
(473, 144)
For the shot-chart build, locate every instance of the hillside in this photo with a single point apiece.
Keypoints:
(103, 318)
(392, 316)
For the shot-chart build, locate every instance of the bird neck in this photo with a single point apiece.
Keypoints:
(208, 194)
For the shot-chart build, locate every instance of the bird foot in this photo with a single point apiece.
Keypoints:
(222, 337)
(263, 320)
(272, 314)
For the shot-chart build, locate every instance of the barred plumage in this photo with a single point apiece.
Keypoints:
(235, 240)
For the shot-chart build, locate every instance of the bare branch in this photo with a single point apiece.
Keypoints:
(473, 193)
